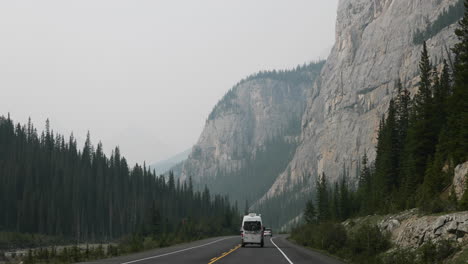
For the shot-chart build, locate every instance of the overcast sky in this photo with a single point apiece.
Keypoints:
(144, 75)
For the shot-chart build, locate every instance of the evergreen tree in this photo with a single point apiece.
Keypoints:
(420, 143)
(323, 204)
(310, 215)
(387, 160)
(335, 207)
(365, 186)
(345, 203)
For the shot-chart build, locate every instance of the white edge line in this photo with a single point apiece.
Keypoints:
(271, 239)
(174, 252)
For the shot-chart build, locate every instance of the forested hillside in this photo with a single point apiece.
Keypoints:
(50, 186)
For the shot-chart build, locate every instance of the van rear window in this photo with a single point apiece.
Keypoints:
(252, 226)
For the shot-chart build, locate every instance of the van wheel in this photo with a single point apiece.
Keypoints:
(243, 245)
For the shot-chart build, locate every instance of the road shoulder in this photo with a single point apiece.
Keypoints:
(298, 252)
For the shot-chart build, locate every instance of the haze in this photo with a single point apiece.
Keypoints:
(145, 74)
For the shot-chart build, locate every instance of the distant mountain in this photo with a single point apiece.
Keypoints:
(251, 135)
(164, 165)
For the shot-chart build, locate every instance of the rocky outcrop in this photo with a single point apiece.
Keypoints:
(374, 47)
(460, 178)
(408, 230)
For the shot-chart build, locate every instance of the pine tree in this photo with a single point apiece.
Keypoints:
(442, 90)
(365, 185)
(323, 203)
(345, 207)
(335, 209)
(387, 160)
(310, 215)
(422, 136)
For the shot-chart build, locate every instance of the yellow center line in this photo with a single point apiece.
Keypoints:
(213, 260)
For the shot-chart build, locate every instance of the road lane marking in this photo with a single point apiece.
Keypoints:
(177, 251)
(290, 262)
(213, 260)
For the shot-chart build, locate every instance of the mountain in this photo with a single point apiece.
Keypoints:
(377, 43)
(256, 122)
(164, 165)
(326, 122)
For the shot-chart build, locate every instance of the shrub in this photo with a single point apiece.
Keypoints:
(368, 240)
(431, 253)
(334, 236)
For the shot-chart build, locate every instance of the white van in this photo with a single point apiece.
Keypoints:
(252, 230)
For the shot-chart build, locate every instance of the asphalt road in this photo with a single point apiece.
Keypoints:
(220, 250)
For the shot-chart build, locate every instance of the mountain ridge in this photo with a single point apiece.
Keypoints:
(165, 165)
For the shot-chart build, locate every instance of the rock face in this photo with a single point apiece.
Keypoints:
(459, 179)
(408, 230)
(374, 47)
(257, 109)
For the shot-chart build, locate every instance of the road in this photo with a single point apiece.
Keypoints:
(223, 250)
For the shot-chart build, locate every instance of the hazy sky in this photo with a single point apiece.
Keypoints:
(144, 75)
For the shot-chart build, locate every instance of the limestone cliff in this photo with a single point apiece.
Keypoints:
(374, 47)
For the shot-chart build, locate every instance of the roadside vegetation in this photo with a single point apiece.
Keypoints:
(88, 252)
(420, 141)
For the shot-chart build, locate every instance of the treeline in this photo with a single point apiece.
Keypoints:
(49, 186)
(446, 18)
(420, 141)
(300, 74)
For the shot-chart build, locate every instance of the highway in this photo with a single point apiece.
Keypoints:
(220, 250)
